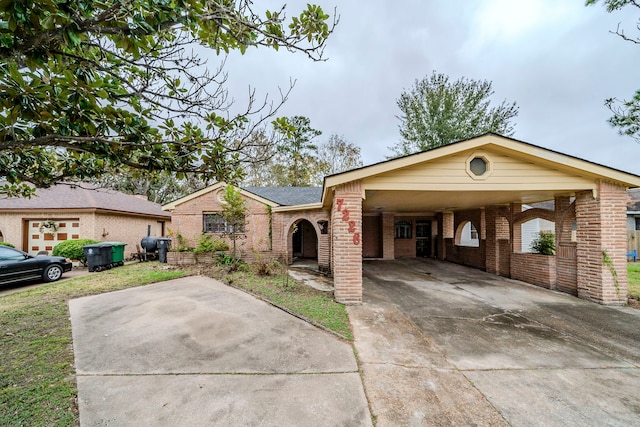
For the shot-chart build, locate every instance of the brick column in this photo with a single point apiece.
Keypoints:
(388, 235)
(491, 242)
(324, 252)
(447, 234)
(346, 242)
(516, 229)
(602, 244)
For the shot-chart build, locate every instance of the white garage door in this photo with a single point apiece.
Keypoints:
(45, 234)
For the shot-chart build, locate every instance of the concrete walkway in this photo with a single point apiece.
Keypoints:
(194, 352)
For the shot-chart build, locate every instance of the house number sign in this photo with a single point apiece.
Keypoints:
(345, 218)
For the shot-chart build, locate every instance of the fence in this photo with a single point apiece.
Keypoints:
(633, 240)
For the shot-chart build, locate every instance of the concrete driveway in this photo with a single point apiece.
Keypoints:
(442, 344)
(194, 352)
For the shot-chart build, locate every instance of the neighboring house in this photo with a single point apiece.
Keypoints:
(633, 209)
(78, 211)
(460, 203)
(531, 229)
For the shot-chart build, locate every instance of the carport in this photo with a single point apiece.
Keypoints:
(464, 203)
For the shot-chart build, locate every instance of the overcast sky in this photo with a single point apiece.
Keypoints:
(555, 58)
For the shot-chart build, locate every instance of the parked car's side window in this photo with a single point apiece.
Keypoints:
(8, 254)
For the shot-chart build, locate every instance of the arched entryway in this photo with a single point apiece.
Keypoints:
(303, 240)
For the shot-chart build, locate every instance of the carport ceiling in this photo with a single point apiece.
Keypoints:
(429, 202)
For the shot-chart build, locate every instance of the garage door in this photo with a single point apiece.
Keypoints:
(45, 234)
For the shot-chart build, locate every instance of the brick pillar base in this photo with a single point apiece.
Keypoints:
(346, 242)
(602, 244)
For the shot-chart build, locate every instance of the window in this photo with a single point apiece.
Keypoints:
(478, 166)
(215, 223)
(467, 235)
(403, 229)
(473, 232)
(8, 254)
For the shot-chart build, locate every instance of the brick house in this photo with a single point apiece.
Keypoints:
(460, 203)
(80, 211)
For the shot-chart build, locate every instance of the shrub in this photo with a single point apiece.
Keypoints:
(544, 244)
(181, 243)
(7, 244)
(220, 245)
(266, 266)
(207, 244)
(73, 249)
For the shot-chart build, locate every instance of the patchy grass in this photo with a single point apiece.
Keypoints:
(313, 305)
(633, 276)
(37, 377)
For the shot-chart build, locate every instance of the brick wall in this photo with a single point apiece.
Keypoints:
(283, 225)
(536, 269)
(566, 261)
(372, 236)
(465, 255)
(127, 229)
(123, 228)
(187, 219)
(601, 224)
(346, 225)
(405, 248)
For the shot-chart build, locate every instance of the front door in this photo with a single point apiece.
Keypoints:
(423, 239)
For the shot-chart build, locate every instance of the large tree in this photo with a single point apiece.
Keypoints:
(437, 111)
(295, 159)
(157, 186)
(88, 86)
(626, 113)
(337, 155)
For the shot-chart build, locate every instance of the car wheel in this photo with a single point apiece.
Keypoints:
(52, 273)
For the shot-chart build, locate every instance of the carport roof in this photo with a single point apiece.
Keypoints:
(517, 171)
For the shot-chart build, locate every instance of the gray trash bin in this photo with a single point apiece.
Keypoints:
(164, 243)
(98, 256)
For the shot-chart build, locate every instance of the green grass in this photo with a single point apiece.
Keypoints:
(37, 377)
(314, 305)
(633, 276)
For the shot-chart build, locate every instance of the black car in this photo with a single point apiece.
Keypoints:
(17, 266)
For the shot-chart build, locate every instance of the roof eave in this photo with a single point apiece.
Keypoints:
(308, 206)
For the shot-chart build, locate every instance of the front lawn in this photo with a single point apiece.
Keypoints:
(315, 306)
(633, 276)
(37, 377)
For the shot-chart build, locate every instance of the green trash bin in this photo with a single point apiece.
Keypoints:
(117, 252)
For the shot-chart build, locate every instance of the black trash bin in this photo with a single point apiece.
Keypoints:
(98, 256)
(164, 243)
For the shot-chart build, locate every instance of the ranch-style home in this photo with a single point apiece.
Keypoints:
(79, 211)
(461, 203)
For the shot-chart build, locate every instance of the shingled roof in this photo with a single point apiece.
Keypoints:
(83, 196)
(288, 196)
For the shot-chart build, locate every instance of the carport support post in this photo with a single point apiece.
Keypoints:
(491, 240)
(602, 244)
(346, 242)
